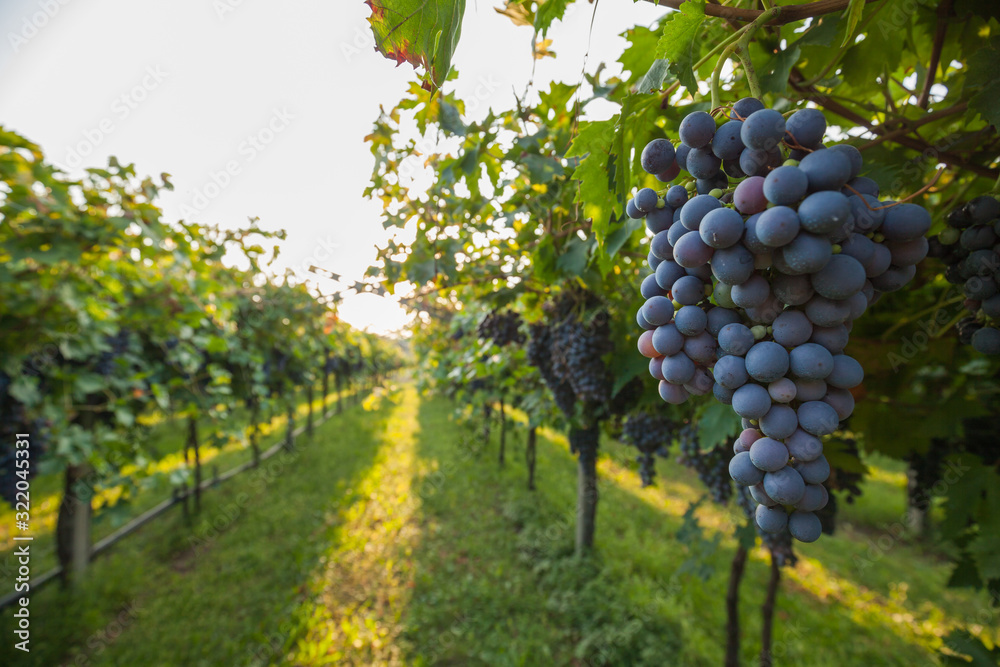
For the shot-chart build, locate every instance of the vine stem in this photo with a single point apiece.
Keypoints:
(704, 59)
(743, 48)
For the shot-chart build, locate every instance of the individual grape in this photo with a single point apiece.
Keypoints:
(778, 226)
(833, 338)
(743, 471)
(779, 422)
(792, 290)
(859, 247)
(669, 174)
(983, 209)
(690, 320)
(980, 263)
(826, 312)
(702, 163)
(814, 472)
(732, 266)
(785, 185)
(735, 339)
(721, 228)
(771, 519)
(645, 344)
(719, 317)
(782, 390)
(667, 340)
(853, 156)
(825, 212)
(703, 273)
(751, 401)
(861, 185)
(722, 394)
(842, 277)
(979, 289)
(841, 401)
(723, 294)
(766, 362)
(894, 278)
(732, 169)
(641, 321)
(784, 486)
(758, 493)
(659, 220)
(979, 237)
(676, 231)
(803, 446)
(674, 394)
(753, 292)
(742, 108)
(748, 436)
(757, 162)
(726, 144)
(749, 196)
(807, 253)
(814, 499)
(677, 368)
(731, 372)
(660, 246)
(676, 196)
(688, 290)
(991, 307)
(763, 130)
(880, 261)
(847, 372)
(681, 151)
(657, 156)
(750, 238)
(700, 384)
(631, 210)
(658, 310)
(904, 222)
(826, 170)
(656, 368)
(697, 129)
(805, 128)
(653, 261)
(766, 312)
(701, 348)
(792, 328)
(646, 200)
(690, 251)
(649, 288)
(809, 390)
(804, 526)
(867, 212)
(668, 273)
(986, 341)
(816, 417)
(696, 209)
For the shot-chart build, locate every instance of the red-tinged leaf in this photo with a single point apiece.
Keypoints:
(423, 33)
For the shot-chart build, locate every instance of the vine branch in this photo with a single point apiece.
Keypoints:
(790, 13)
(942, 26)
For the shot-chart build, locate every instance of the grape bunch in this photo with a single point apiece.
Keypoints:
(118, 345)
(710, 465)
(14, 419)
(501, 328)
(970, 248)
(754, 296)
(570, 351)
(648, 433)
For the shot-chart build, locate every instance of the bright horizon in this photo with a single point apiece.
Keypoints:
(260, 111)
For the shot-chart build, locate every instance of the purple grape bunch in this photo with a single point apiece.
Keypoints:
(754, 290)
(970, 248)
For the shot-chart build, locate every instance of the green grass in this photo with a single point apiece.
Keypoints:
(394, 538)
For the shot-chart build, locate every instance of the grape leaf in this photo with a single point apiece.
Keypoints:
(854, 11)
(679, 42)
(774, 76)
(421, 32)
(654, 78)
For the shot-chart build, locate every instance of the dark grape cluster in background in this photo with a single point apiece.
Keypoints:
(754, 290)
(970, 248)
(502, 328)
(14, 419)
(648, 433)
(711, 466)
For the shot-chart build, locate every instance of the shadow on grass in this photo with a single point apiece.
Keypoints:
(217, 590)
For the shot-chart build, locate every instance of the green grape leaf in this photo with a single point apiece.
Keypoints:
(774, 75)
(679, 42)
(962, 642)
(717, 423)
(423, 33)
(854, 11)
(654, 78)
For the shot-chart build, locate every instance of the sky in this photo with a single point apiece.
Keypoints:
(260, 109)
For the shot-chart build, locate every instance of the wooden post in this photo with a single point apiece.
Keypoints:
(73, 523)
(193, 442)
(530, 456)
(289, 436)
(255, 431)
(309, 418)
(767, 612)
(503, 432)
(733, 607)
(339, 381)
(584, 442)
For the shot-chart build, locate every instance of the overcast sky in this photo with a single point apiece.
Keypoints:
(258, 108)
